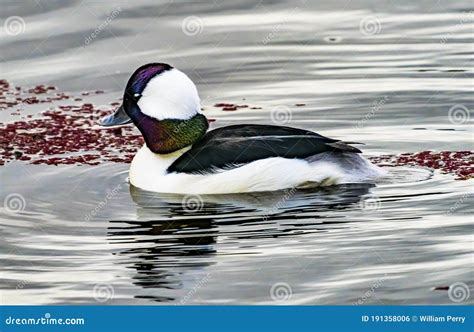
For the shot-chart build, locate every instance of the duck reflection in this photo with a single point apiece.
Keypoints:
(173, 238)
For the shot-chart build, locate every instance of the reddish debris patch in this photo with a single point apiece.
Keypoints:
(229, 106)
(11, 96)
(66, 134)
(300, 105)
(40, 89)
(458, 163)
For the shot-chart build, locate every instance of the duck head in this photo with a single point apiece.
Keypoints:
(164, 105)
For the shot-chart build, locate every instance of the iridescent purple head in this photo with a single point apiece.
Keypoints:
(133, 92)
(140, 78)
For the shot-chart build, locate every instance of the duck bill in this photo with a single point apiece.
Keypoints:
(118, 118)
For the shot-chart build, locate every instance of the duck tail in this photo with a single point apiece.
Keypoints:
(344, 147)
(354, 143)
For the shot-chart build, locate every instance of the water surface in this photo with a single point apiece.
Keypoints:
(367, 72)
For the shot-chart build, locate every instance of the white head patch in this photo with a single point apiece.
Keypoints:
(170, 95)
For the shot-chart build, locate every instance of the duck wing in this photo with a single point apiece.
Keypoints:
(234, 146)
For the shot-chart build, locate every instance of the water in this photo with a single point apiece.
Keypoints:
(84, 235)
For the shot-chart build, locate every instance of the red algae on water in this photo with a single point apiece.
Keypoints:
(458, 163)
(66, 134)
(230, 106)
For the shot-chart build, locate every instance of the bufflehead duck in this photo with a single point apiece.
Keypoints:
(181, 156)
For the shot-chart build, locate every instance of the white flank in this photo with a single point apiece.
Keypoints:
(148, 172)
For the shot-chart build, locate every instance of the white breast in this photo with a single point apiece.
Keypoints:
(148, 172)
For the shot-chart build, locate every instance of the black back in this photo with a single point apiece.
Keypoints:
(234, 146)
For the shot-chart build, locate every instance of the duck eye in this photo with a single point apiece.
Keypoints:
(136, 96)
